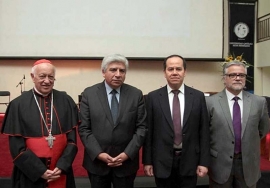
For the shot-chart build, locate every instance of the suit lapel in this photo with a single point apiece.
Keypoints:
(188, 104)
(123, 102)
(223, 101)
(102, 95)
(246, 110)
(165, 105)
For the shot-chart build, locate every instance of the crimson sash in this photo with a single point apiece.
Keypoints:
(40, 147)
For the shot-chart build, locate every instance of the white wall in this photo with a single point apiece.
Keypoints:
(263, 7)
(262, 53)
(262, 57)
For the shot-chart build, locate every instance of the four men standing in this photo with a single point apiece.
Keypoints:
(178, 128)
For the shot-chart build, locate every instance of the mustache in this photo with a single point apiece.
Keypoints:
(238, 82)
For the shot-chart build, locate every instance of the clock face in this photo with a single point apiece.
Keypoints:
(241, 30)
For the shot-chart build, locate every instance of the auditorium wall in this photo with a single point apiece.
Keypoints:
(73, 76)
(262, 57)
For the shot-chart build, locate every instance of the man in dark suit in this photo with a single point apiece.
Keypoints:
(112, 133)
(235, 144)
(176, 156)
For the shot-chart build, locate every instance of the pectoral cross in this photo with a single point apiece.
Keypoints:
(50, 140)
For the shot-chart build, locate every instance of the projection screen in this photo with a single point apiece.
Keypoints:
(94, 28)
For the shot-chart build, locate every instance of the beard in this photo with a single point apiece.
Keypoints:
(237, 86)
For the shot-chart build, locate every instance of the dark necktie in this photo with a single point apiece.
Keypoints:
(114, 106)
(237, 125)
(176, 118)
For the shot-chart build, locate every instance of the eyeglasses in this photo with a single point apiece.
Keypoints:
(234, 75)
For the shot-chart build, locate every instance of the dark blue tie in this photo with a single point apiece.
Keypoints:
(237, 125)
(114, 106)
(176, 118)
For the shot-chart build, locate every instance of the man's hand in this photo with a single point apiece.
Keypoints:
(52, 175)
(148, 170)
(201, 171)
(106, 158)
(118, 160)
(113, 162)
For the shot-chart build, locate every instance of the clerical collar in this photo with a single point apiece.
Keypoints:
(40, 94)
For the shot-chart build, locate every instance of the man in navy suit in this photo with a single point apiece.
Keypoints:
(176, 164)
(112, 139)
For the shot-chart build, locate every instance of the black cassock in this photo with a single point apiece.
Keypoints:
(27, 132)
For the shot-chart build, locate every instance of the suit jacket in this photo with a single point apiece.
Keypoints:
(99, 134)
(158, 148)
(255, 125)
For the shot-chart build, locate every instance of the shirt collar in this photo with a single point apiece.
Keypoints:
(230, 96)
(181, 89)
(109, 89)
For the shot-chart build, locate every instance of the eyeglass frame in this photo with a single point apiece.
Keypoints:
(235, 75)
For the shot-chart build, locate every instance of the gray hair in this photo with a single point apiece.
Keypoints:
(231, 63)
(113, 58)
(33, 70)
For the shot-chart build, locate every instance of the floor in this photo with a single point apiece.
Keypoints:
(140, 182)
(148, 182)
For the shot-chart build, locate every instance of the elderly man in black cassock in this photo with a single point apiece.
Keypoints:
(41, 125)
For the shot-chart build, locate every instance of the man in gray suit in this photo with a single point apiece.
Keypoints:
(238, 121)
(112, 133)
